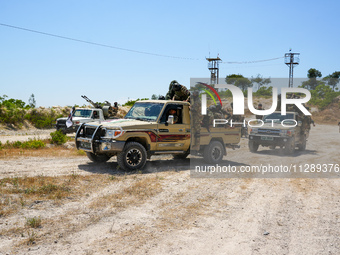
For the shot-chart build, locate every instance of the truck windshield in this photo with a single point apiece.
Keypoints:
(82, 113)
(277, 117)
(144, 111)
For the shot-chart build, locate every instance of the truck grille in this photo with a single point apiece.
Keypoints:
(61, 122)
(269, 131)
(89, 130)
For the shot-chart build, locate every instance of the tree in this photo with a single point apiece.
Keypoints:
(322, 96)
(154, 97)
(332, 80)
(31, 101)
(239, 81)
(264, 91)
(260, 81)
(312, 83)
(313, 73)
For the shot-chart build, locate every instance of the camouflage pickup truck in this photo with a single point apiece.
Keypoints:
(152, 127)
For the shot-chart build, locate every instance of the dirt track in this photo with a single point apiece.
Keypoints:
(190, 215)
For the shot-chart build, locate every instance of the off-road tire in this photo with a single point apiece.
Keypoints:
(213, 153)
(290, 147)
(302, 145)
(253, 146)
(133, 157)
(97, 158)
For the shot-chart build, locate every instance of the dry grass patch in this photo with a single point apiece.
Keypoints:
(21, 192)
(43, 152)
(136, 193)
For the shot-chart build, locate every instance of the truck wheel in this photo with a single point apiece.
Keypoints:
(132, 157)
(213, 153)
(290, 147)
(253, 146)
(302, 145)
(97, 158)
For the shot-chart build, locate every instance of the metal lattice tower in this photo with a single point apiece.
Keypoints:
(291, 60)
(213, 66)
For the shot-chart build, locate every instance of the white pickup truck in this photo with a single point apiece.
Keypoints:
(79, 116)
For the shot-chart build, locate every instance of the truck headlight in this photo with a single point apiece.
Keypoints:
(114, 133)
(286, 133)
(254, 130)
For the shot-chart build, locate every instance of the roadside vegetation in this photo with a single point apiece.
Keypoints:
(16, 112)
(41, 148)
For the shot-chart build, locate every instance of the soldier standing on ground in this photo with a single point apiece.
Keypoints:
(196, 117)
(259, 107)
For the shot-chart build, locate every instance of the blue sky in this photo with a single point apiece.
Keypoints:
(59, 71)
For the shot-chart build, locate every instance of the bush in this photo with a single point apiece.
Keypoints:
(58, 137)
(33, 144)
(322, 96)
(30, 144)
(264, 91)
(13, 116)
(132, 102)
(42, 119)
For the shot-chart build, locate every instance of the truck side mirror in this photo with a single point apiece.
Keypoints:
(170, 119)
(299, 123)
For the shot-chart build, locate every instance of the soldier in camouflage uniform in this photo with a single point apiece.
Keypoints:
(196, 118)
(171, 92)
(259, 107)
(115, 108)
(177, 92)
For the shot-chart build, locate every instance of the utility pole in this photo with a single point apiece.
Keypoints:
(291, 60)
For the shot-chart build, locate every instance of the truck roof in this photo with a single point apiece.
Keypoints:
(286, 112)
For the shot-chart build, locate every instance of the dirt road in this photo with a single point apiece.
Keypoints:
(185, 215)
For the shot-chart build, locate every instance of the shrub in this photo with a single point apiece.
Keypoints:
(322, 96)
(58, 137)
(132, 102)
(30, 144)
(33, 144)
(42, 119)
(264, 91)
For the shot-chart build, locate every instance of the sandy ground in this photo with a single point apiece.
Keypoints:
(190, 215)
(25, 135)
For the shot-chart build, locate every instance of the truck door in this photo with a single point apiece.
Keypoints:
(176, 136)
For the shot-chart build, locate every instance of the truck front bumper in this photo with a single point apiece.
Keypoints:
(270, 140)
(65, 129)
(99, 146)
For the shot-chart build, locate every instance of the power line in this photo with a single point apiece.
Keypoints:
(125, 49)
(251, 62)
(96, 44)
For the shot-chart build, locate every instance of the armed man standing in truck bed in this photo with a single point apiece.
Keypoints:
(177, 92)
